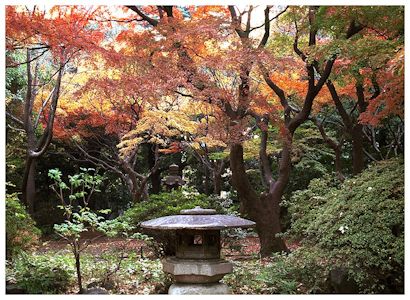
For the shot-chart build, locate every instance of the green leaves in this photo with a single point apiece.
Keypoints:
(80, 185)
(55, 174)
(22, 234)
(41, 274)
(359, 225)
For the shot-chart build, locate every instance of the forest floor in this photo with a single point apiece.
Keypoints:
(233, 248)
(241, 252)
(248, 246)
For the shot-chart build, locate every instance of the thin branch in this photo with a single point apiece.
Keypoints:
(265, 37)
(270, 20)
(15, 119)
(27, 61)
(295, 44)
(119, 21)
(183, 94)
(248, 21)
(42, 108)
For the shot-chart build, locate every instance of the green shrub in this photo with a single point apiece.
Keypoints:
(166, 204)
(359, 225)
(303, 271)
(41, 274)
(21, 232)
(244, 278)
(124, 273)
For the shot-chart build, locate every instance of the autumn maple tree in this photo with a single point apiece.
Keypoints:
(360, 76)
(48, 39)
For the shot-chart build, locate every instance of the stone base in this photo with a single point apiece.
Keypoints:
(199, 289)
(196, 270)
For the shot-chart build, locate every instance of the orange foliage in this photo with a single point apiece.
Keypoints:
(63, 29)
(391, 99)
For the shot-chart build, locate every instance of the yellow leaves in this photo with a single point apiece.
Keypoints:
(210, 142)
(157, 127)
(127, 146)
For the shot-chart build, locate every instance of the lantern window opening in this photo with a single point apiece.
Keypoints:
(198, 239)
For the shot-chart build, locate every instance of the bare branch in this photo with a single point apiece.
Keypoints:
(295, 44)
(151, 21)
(236, 21)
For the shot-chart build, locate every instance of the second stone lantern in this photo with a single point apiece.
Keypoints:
(197, 266)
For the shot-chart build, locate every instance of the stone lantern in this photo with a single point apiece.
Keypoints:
(197, 266)
(173, 180)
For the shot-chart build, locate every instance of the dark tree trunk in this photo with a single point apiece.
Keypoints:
(268, 225)
(263, 209)
(156, 182)
(357, 151)
(217, 180)
(136, 196)
(156, 174)
(29, 185)
(217, 170)
(36, 147)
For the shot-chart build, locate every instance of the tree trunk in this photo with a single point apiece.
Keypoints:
(78, 269)
(156, 182)
(263, 209)
(357, 151)
(218, 168)
(217, 181)
(268, 225)
(29, 184)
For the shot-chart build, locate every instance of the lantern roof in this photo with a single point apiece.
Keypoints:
(198, 219)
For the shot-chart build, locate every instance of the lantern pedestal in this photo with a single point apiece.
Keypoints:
(196, 270)
(199, 289)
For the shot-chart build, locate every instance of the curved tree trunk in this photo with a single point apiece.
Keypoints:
(263, 209)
